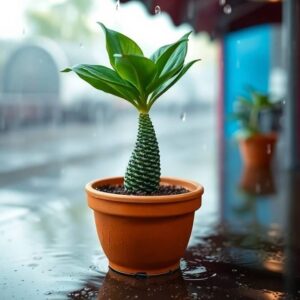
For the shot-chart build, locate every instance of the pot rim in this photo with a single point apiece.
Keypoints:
(271, 136)
(195, 188)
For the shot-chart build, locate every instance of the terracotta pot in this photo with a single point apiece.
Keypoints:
(257, 151)
(144, 234)
(257, 181)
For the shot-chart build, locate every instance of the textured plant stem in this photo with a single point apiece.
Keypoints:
(143, 170)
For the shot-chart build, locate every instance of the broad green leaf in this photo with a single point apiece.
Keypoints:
(157, 93)
(138, 70)
(169, 60)
(105, 79)
(160, 51)
(118, 43)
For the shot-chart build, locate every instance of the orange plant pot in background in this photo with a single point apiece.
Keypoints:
(257, 151)
(257, 181)
(144, 234)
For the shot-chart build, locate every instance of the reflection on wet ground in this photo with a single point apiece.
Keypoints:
(243, 246)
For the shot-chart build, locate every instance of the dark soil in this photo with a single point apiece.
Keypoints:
(163, 190)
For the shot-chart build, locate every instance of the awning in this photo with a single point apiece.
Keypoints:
(218, 16)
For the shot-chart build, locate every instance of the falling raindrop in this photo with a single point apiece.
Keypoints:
(157, 10)
(222, 2)
(269, 149)
(191, 10)
(117, 4)
(183, 117)
(227, 9)
(257, 188)
(283, 102)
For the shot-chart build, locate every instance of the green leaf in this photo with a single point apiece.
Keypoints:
(160, 51)
(105, 79)
(118, 43)
(244, 102)
(161, 90)
(169, 60)
(138, 70)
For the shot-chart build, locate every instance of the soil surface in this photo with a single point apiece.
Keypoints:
(163, 190)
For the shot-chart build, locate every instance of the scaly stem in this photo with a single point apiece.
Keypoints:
(143, 170)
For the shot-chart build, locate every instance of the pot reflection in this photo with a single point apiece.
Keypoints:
(118, 287)
(257, 181)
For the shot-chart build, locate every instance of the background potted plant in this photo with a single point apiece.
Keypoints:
(256, 146)
(143, 220)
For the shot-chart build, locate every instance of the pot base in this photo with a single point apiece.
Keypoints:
(146, 273)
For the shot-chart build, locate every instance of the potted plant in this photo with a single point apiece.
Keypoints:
(256, 146)
(143, 220)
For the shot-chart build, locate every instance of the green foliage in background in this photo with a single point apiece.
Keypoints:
(65, 20)
(247, 111)
(140, 81)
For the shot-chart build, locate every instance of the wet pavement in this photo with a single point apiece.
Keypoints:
(244, 241)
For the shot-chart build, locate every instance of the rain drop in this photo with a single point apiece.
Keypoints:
(117, 4)
(257, 188)
(227, 9)
(191, 10)
(283, 102)
(269, 149)
(183, 117)
(157, 10)
(222, 2)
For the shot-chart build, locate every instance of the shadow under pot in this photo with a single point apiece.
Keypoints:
(144, 234)
(258, 150)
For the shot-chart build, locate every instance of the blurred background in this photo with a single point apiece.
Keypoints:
(57, 133)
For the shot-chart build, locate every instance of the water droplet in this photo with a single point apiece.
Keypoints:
(117, 4)
(283, 102)
(222, 2)
(227, 9)
(269, 149)
(257, 188)
(183, 117)
(191, 10)
(48, 293)
(157, 10)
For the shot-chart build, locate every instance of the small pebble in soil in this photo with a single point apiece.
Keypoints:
(163, 190)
